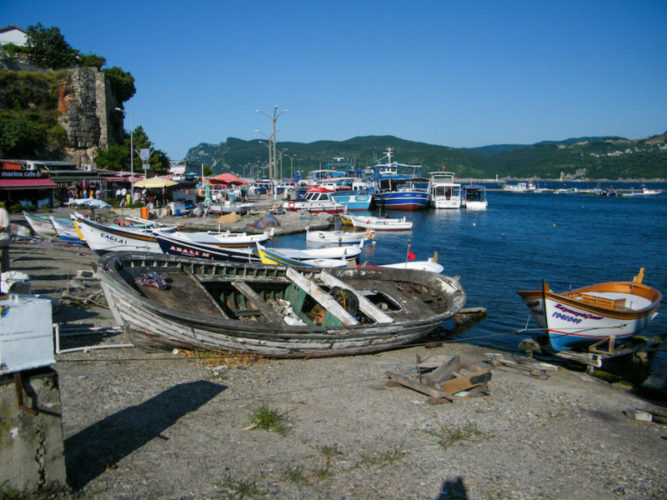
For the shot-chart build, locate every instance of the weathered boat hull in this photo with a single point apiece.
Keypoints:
(104, 238)
(178, 246)
(40, 224)
(66, 231)
(189, 315)
(617, 310)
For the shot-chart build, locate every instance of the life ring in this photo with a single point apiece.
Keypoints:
(291, 205)
(370, 234)
(322, 236)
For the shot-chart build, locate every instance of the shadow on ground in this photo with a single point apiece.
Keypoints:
(89, 452)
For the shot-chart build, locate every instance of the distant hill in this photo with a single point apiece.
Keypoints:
(586, 157)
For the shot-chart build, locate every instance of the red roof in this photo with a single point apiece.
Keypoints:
(27, 184)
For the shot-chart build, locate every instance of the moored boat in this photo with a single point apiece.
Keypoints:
(105, 238)
(613, 310)
(276, 311)
(474, 197)
(41, 225)
(317, 200)
(171, 244)
(66, 231)
(444, 192)
(377, 223)
(400, 186)
(337, 237)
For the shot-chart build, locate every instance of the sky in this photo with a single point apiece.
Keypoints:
(449, 72)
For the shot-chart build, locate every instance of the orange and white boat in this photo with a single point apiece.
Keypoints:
(611, 311)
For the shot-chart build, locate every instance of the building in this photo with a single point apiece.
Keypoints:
(13, 34)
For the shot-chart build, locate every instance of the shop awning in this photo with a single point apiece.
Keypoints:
(16, 184)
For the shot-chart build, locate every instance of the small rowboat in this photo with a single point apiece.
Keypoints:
(377, 223)
(337, 237)
(41, 225)
(276, 311)
(615, 310)
(66, 231)
(298, 258)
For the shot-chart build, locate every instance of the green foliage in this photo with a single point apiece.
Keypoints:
(446, 437)
(603, 158)
(270, 419)
(47, 47)
(117, 157)
(93, 61)
(122, 83)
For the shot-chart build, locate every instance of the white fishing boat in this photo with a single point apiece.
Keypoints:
(605, 311)
(41, 225)
(66, 231)
(276, 256)
(431, 265)
(474, 197)
(444, 192)
(644, 191)
(377, 223)
(317, 200)
(106, 238)
(337, 237)
(520, 187)
(224, 239)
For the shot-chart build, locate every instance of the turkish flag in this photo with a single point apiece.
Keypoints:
(411, 256)
(444, 167)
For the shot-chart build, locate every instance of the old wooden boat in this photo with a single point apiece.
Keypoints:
(40, 224)
(66, 231)
(171, 244)
(277, 311)
(319, 237)
(275, 256)
(377, 223)
(615, 310)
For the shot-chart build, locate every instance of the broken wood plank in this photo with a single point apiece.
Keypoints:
(416, 386)
(444, 372)
(365, 305)
(321, 297)
(466, 382)
(265, 309)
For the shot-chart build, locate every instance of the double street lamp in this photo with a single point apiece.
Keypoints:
(272, 152)
(131, 152)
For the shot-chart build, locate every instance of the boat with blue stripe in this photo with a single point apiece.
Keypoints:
(400, 186)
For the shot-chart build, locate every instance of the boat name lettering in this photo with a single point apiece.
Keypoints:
(577, 313)
(565, 317)
(113, 238)
(189, 252)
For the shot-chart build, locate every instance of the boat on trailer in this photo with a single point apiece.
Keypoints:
(611, 311)
(279, 311)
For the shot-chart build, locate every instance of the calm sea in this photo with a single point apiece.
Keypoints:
(567, 240)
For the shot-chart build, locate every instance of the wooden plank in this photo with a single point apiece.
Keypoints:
(415, 386)
(365, 305)
(321, 297)
(261, 305)
(444, 372)
(466, 382)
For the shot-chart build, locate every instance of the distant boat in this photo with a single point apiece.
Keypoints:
(444, 192)
(400, 186)
(644, 191)
(474, 197)
(317, 200)
(615, 310)
(279, 311)
(520, 187)
(377, 223)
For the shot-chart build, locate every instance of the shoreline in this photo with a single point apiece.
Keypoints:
(140, 424)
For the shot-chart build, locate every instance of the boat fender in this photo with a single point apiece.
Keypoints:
(370, 234)
(291, 205)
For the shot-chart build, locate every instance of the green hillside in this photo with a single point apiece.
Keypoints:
(590, 157)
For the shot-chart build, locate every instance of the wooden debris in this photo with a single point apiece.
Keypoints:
(470, 313)
(441, 376)
(522, 366)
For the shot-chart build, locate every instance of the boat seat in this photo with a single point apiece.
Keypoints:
(365, 305)
(605, 302)
(321, 297)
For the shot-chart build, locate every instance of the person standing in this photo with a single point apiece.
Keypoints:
(4, 238)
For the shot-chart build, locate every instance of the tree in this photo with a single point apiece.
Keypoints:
(93, 60)
(117, 157)
(48, 48)
(122, 83)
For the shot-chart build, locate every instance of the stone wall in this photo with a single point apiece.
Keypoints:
(85, 101)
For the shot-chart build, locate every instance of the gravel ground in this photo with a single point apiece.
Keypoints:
(164, 425)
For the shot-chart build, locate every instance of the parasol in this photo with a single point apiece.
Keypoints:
(227, 178)
(155, 182)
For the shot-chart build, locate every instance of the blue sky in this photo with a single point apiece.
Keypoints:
(454, 73)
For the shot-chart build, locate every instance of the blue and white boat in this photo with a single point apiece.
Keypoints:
(353, 201)
(400, 186)
(66, 231)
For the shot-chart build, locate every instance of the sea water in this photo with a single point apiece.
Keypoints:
(569, 241)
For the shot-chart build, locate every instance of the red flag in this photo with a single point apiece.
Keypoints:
(411, 256)
(444, 167)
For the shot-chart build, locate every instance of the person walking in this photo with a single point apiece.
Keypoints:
(4, 238)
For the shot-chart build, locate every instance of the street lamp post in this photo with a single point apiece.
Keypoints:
(131, 152)
(273, 119)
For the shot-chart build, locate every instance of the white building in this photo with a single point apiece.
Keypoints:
(13, 34)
